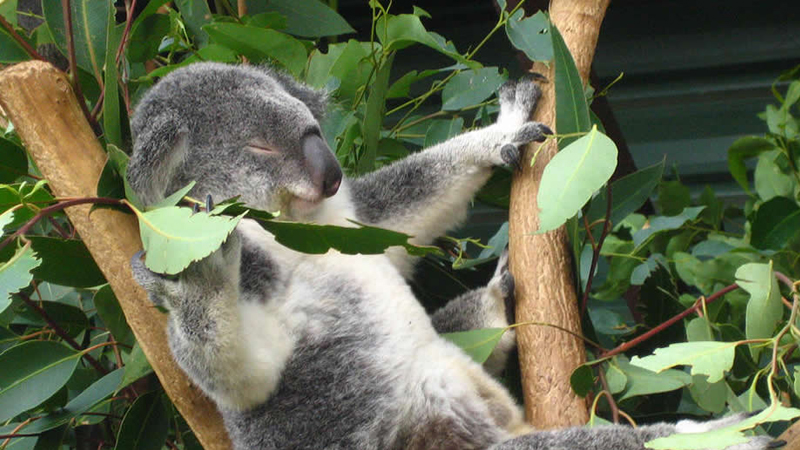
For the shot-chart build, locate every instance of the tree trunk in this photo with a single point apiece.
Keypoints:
(42, 106)
(541, 263)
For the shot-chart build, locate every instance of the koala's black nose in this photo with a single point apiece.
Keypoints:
(322, 165)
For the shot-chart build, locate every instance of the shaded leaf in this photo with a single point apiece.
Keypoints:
(306, 18)
(66, 262)
(582, 380)
(770, 181)
(627, 194)
(661, 223)
(471, 87)
(145, 424)
(531, 35)
(32, 372)
(572, 110)
(90, 22)
(10, 51)
(13, 160)
(146, 36)
(136, 366)
(373, 116)
(196, 14)
(260, 44)
(403, 30)
(478, 344)
(776, 222)
(572, 176)
(112, 120)
(113, 318)
(741, 150)
(644, 382)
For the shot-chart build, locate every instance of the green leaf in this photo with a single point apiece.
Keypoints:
(706, 358)
(645, 382)
(196, 14)
(145, 424)
(661, 223)
(113, 318)
(582, 380)
(777, 222)
(70, 318)
(318, 239)
(10, 51)
(15, 274)
(572, 176)
(112, 120)
(81, 271)
(709, 396)
(260, 44)
(90, 22)
(401, 31)
(33, 372)
(770, 181)
(306, 18)
(531, 35)
(13, 161)
(617, 380)
(83, 402)
(741, 150)
(572, 111)
(673, 197)
(764, 309)
(627, 194)
(175, 197)
(442, 130)
(724, 437)
(8, 9)
(136, 366)
(642, 271)
(174, 237)
(373, 116)
(119, 161)
(146, 36)
(479, 343)
(471, 87)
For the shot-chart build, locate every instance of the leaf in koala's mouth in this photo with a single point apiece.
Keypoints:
(175, 237)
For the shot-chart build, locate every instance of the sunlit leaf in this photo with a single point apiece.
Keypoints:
(260, 44)
(15, 274)
(572, 176)
(479, 343)
(764, 309)
(706, 358)
(741, 150)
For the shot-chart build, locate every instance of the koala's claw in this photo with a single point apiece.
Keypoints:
(506, 284)
(776, 443)
(209, 203)
(511, 155)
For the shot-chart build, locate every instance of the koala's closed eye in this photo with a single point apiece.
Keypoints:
(261, 146)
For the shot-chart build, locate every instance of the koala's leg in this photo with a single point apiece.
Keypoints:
(207, 329)
(428, 193)
(621, 437)
(491, 306)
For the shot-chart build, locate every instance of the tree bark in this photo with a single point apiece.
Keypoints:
(541, 263)
(40, 103)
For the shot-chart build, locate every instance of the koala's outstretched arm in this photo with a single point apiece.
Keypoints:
(208, 335)
(491, 306)
(429, 192)
(621, 437)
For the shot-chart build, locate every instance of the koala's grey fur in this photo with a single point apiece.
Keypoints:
(333, 351)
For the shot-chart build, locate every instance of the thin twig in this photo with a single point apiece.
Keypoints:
(73, 66)
(19, 39)
(62, 333)
(128, 23)
(44, 212)
(639, 339)
(596, 249)
(612, 404)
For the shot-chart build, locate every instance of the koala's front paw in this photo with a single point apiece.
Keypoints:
(754, 443)
(501, 287)
(160, 288)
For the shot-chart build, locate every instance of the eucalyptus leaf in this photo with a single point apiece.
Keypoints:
(764, 309)
(741, 150)
(572, 110)
(13, 160)
(32, 372)
(645, 382)
(111, 313)
(373, 117)
(306, 18)
(581, 380)
(260, 44)
(136, 366)
(770, 181)
(469, 88)
(661, 223)
(196, 14)
(90, 22)
(15, 274)
(479, 343)
(531, 35)
(706, 358)
(81, 271)
(145, 424)
(776, 223)
(627, 194)
(572, 176)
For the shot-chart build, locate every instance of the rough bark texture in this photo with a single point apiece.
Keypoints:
(792, 437)
(541, 263)
(42, 106)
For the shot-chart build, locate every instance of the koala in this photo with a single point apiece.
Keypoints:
(334, 351)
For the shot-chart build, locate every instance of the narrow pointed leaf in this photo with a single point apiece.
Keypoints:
(145, 425)
(572, 110)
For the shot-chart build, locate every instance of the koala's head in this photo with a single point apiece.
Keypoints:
(234, 130)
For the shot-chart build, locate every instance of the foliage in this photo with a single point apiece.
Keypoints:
(62, 330)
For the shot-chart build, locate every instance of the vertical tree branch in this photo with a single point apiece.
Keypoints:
(541, 263)
(42, 106)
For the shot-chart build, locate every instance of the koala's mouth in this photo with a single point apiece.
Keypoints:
(302, 206)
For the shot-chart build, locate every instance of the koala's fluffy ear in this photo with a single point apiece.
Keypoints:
(315, 100)
(158, 150)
